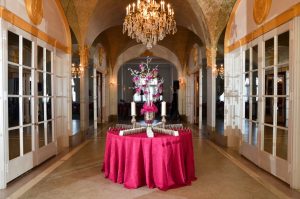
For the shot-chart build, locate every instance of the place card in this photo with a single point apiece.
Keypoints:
(132, 131)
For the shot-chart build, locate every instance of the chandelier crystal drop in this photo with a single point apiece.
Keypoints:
(149, 22)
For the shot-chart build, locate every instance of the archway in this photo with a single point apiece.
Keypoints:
(137, 51)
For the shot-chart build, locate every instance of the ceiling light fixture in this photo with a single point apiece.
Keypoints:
(149, 22)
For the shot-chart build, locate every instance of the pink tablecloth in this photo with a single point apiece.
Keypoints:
(163, 161)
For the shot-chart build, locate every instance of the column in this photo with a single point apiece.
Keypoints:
(211, 54)
(84, 89)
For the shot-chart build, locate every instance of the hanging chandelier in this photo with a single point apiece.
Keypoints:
(76, 70)
(220, 71)
(149, 22)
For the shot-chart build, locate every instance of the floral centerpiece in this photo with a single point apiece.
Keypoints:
(148, 82)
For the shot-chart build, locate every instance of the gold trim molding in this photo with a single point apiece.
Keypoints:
(22, 24)
(284, 17)
(261, 10)
(35, 10)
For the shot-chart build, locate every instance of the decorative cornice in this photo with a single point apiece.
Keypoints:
(284, 17)
(22, 24)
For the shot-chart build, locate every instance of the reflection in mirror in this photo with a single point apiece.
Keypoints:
(254, 133)
(14, 143)
(269, 81)
(27, 139)
(269, 52)
(13, 111)
(26, 110)
(254, 108)
(283, 47)
(246, 84)
(48, 84)
(246, 129)
(281, 143)
(254, 84)
(269, 105)
(27, 52)
(49, 132)
(41, 109)
(26, 81)
(13, 80)
(268, 139)
(246, 106)
(40, 58)
(41, 134)
(282, 111)
(49, 108)
(283, 80)
(254, 57)
(247, 60)
(48, 61)
(13, 47)
(40, 83)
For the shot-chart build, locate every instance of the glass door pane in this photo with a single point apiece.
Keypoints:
(14, 143)
(13, 47)
(268, 139)
(27, 139)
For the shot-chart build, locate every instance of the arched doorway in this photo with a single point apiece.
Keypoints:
(126, 94)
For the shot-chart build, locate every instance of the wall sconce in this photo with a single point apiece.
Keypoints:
(181, 81)
(112, 82)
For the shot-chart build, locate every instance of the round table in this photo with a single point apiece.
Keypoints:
(135, 160)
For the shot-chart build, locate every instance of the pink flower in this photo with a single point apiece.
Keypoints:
(135, 79)
(149, 77)
(138, 90)
(149, 108)
(141, 67)
(155, 72)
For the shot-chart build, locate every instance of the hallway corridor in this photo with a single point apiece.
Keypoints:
(78, 174)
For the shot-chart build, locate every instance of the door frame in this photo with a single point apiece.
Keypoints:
(19, 165)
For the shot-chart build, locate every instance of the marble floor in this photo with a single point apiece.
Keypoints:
(77, 174)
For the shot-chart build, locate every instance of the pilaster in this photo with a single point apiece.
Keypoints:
(211, 54)
(294, 137)
(84, 89)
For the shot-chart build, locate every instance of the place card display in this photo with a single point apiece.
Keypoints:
(132, 131)
(165, 131)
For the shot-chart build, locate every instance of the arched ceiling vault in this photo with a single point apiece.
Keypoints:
(89, 18)
(115, 43)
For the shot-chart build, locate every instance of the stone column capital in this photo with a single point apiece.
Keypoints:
(211, 54)
(84, 55)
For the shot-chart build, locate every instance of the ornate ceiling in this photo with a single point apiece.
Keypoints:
(199, 21)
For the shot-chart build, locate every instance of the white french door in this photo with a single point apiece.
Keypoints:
(29, 108)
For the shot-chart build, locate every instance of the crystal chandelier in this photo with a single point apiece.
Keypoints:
(220, 71)
(149, 22)
(76, 70)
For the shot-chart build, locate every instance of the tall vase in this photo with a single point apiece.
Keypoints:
(149, 118)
